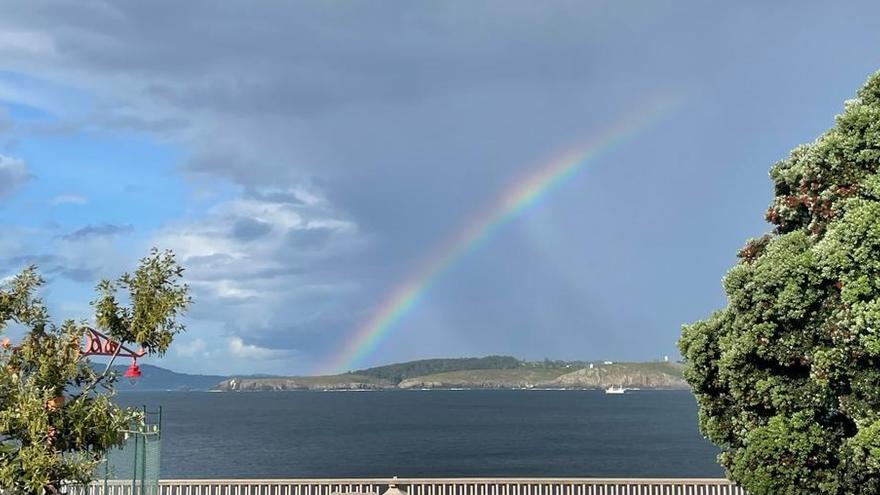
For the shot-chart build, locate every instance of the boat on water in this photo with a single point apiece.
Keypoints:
(615, 390)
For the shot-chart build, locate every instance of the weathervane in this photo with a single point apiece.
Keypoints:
(98, 344)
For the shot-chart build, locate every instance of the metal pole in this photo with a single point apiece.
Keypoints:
(158, 456)
(134, 466)
(144, 456)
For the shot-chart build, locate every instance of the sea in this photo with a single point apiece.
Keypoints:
(435, 433)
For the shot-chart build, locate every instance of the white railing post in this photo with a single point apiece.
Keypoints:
(419, 486)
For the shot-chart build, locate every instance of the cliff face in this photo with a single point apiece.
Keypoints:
(607, 376)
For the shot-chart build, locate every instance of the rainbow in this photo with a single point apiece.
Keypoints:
(513, 201)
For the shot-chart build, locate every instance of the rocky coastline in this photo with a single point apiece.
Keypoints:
(647, 376)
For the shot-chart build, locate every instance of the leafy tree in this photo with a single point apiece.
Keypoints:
(55, 422)
(787, 376)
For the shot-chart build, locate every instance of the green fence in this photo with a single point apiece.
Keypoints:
(137, 461)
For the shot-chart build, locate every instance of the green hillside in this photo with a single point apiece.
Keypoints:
(401, 371)
(501, 378)
(674, 369)
(340, 379)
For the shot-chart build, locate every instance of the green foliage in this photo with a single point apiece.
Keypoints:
(156, 299)
(54, 426)
(787, 376)
(401, 371)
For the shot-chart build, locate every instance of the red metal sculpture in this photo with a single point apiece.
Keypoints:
(133, 372)
(98, 344)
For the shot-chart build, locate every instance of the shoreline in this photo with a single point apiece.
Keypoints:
(394, 390)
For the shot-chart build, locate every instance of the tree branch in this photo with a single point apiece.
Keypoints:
(103, 375)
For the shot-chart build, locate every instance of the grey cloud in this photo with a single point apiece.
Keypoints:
(309, 238)
(209, 260)
(280, 97)
(5, 124)
(273, 196)
(249, 229)
(243, 269)
(32, 259)
(77, 274)
(9, 138)
(111, 121)
(54, 265)
(100, 230)
(317, 54)
(13, 174)
(255, 275)
(220, 266)
(123, 122)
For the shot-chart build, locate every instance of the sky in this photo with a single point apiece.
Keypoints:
(305, 159)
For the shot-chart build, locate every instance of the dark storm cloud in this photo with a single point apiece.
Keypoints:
(331, 90)
(408, 118)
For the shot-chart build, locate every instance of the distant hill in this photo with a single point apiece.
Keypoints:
(506, 378)
(601, 376)
(346, 381)
(657, 375)
(410, 369)
(488, 372)
(485, 372)
(155, 378)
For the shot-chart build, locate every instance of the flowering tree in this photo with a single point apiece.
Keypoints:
(56, 418)
(787, 376)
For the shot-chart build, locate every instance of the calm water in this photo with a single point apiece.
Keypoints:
(429, 433)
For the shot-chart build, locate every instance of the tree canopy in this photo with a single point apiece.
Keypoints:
(787, 376)
(56, 417)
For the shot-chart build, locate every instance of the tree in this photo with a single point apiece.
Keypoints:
(787, 376)
(56, 417)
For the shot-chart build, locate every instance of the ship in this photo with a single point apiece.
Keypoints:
(615, 390)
